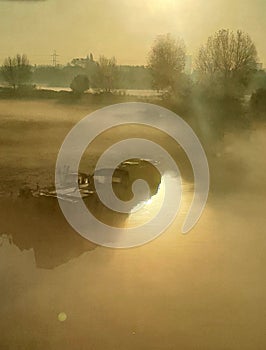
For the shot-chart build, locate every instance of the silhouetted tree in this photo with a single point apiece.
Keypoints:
(167, 62)
(16, 70)
(227, 60)
(80, 84)
(258, 80)
(106, 76)
(258, 103)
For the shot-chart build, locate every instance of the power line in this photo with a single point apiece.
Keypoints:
(54, 58)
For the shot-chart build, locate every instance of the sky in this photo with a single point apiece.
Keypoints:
(122, 28)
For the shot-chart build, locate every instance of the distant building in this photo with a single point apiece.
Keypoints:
(83, 62)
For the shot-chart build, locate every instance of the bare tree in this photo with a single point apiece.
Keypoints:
(227, 57)
(106, 73)
(167, 62)
(16, 70)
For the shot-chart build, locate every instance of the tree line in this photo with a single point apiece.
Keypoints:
(104, 74)
(226, 72)
(226, 65)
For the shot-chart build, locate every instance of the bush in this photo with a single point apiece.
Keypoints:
(80, 84)
(258, 103)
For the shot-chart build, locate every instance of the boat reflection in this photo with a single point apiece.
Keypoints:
(37, 222)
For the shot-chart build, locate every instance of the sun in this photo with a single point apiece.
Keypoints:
(163, 4)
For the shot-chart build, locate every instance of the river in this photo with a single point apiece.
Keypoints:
(204, 290)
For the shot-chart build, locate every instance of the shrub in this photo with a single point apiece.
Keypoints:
(80, 84)
(258, 103)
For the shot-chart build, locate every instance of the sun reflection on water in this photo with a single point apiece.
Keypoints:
(147, 210)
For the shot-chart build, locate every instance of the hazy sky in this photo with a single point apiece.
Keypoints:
(124, 28)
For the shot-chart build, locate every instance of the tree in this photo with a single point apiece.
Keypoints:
(258, 103)
(167, 62)
(16, 70)
(106, 73)
(227, 60)
(258, 80)
(80, 84)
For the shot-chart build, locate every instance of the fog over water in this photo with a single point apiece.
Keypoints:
(203, 290)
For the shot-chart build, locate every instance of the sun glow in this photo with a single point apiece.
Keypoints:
(162, 4)
(148, 209)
